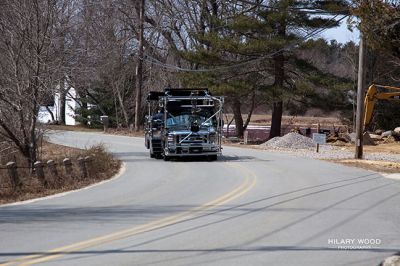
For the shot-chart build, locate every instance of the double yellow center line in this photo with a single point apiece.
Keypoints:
(248, 183)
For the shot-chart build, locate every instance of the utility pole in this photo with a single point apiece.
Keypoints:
(360, 97)
(139, 69)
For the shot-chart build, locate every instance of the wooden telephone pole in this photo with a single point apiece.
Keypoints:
(139, 69)
(360, 97)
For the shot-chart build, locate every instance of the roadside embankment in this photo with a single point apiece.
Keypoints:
(60, 169)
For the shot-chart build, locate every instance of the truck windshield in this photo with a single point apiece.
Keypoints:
(185, 120)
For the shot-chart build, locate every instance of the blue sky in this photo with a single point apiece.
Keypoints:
(341, 34)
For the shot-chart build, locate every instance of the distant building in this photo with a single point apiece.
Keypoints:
(71, 104)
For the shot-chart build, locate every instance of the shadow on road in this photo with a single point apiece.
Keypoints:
(29, 215)
(132, 153)
(26, 214)
(226, 158)
(223, 158)
(140, 156)
(247, 211)
(49, 214)
(248, 249)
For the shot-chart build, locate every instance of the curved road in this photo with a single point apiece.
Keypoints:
(250, 207)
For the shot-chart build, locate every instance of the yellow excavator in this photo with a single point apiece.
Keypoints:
(374, 95)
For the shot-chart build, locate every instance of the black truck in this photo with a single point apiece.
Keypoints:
(184, 122)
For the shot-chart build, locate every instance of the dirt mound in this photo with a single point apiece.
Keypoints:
(292, 141)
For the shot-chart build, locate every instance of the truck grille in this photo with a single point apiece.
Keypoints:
(193, 139)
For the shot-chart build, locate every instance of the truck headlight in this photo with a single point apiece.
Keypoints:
(171, 138)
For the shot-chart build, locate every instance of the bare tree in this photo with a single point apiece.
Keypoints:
(28, 69)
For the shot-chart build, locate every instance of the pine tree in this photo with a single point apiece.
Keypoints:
(264, 36)
(380, 23)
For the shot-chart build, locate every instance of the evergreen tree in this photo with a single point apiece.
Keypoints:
(381, 24)
(256, 42)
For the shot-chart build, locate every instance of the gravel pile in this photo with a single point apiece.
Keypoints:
(290, 141)
(299, 145)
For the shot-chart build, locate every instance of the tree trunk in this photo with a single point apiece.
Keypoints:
(139, 70)
(63, 95)
(116, 110)
(51, 113)
(122, 106)
(228, 124)
(237, 113)
(277, 109)
(84, 107)
(279, 73)
(276, 120)
(253, 104)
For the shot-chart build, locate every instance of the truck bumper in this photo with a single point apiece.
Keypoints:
(192, 154)
(192, 150)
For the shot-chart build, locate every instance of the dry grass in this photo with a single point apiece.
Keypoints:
(71, 128)
(377, 166)
(384, 147)
(102, 166)
(49, 151)
(392, 148)
(261, 119)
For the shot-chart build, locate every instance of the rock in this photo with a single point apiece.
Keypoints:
(387, 133)
(396, 136)
(389, 139)
(397, 130)
(375, 136)
(346, 137)
(343, 139)
(391, 261)
(351, 137)
(339, 143)
(331, 139)
(367, 140)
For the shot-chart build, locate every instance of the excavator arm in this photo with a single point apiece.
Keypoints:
(373, 95)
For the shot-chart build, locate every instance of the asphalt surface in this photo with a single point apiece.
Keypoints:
(250, 207)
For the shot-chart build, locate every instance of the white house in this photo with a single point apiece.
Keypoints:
(71, 104)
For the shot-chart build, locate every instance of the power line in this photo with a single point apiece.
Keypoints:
(297, 9)
(313, 33)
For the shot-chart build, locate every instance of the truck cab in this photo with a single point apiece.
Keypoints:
(184, 122)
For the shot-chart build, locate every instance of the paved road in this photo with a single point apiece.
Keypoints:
(249, 208)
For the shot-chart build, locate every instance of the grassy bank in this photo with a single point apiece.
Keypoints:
(101, 166)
